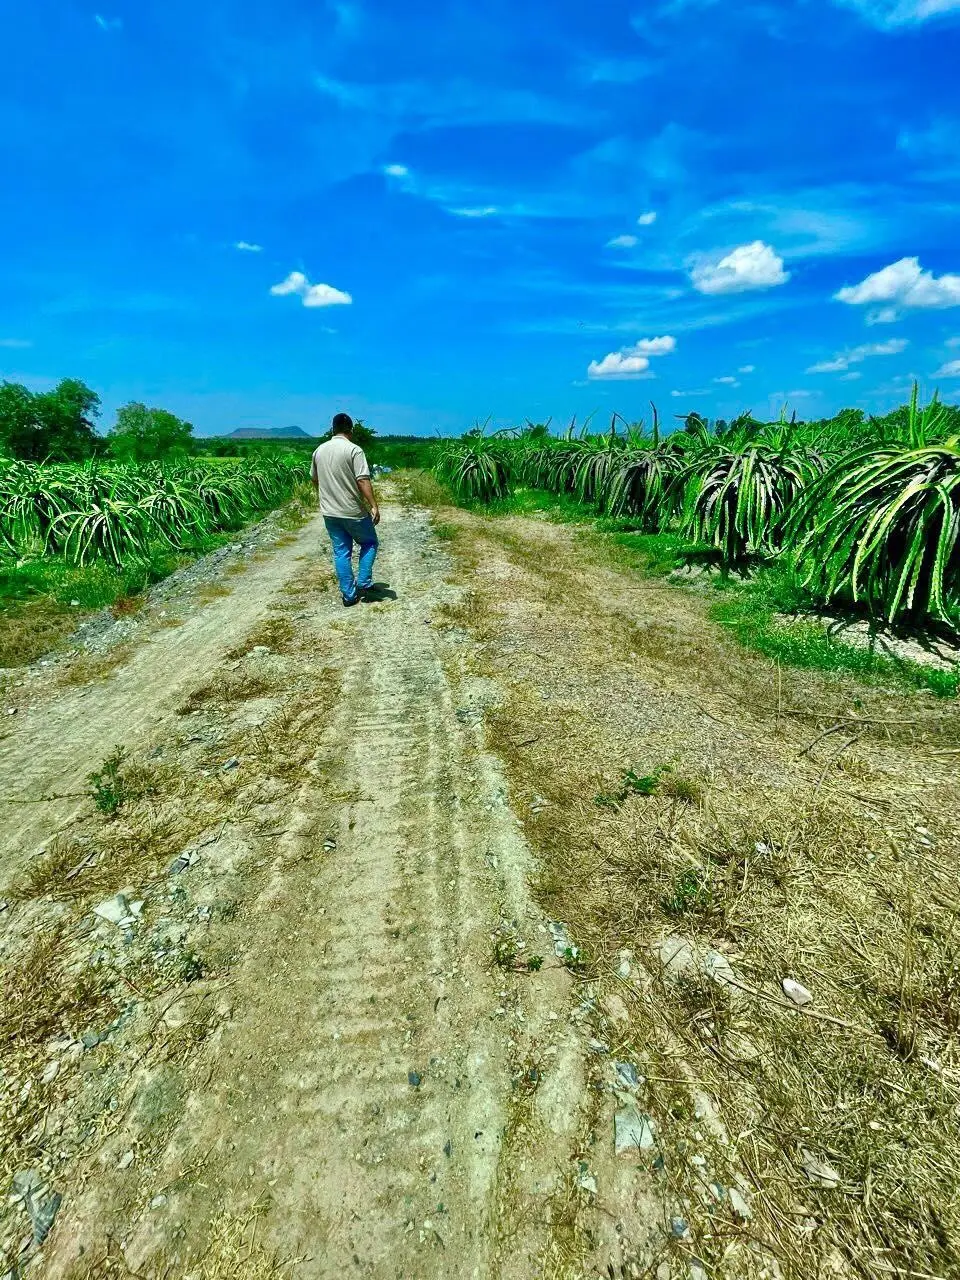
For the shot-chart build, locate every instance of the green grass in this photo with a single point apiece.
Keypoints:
(751, 612)
(43, 600)
(657, 554)
(530, 502)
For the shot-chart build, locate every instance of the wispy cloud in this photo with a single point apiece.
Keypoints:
(747, 368)
(15, 344)
(905, 285)
(685, 395)
(949, 370)
(396, 170)
(857, 355)
(647, 219)
(890, 14)
(108, 24)
(623, 242)
(475, 211)
(311, 295)
(245, 246)
(632, 362)
(750, 266)
(727, 381)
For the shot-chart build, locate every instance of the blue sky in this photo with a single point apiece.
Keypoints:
(434, 213)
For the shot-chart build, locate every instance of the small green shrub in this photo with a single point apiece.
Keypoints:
(691, 894)
(107, 786)
(632, 784)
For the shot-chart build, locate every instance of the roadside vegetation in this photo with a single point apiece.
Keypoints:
(849, 516)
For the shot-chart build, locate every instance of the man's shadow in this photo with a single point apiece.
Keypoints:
(379, 591)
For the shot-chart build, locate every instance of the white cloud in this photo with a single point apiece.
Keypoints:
(15, 344)
(685, 395)
(750, 266)
(889, 14)
(312, 295)
(655, 346)
(852, 376)
(622, 242)
(476, 211)
(953, 342)
(727, 381)
(883, 315)
(858, 354)
(746, 368)
(632, 362)
(108, 24)
(395, 170)
(902, 284)
(245, 246)
(647, 219)
(949, 370)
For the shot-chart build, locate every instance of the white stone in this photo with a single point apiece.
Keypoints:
(796, 992)
(739, 1205)
(115, 909)
(633, 1131)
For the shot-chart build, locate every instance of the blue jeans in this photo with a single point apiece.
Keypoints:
(343, 534)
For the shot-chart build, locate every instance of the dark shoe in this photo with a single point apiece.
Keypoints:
(349, 602)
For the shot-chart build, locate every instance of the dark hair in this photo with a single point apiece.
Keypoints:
(342, 424)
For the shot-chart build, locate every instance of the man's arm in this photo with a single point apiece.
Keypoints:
(369, 498)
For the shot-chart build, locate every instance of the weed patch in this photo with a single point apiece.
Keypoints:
(117, 783)
(632, 784)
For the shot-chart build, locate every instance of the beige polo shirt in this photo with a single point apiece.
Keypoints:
(337, 466)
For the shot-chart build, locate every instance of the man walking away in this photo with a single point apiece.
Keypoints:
(341, 477)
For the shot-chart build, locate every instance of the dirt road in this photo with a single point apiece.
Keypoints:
(300, 1055)
(455, 936)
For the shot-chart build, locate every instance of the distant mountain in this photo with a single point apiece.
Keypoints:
(269, 433)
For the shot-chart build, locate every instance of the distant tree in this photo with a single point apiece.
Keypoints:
(68, 417)
(148, 435)
(363, 435)
(56, 425)
(536, 431)
(17, 420)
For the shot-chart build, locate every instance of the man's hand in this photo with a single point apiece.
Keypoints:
(369, 500)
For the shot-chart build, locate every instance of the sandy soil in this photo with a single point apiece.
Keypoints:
(367, 1090)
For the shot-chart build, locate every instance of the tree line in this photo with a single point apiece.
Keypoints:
(61, 426)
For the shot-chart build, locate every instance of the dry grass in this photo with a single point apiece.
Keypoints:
(88, 667)
(32, 628)
(276, 633)
(213, 591)
(236, 1251)
(788, 835)
(42, 997)
(230, 687)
